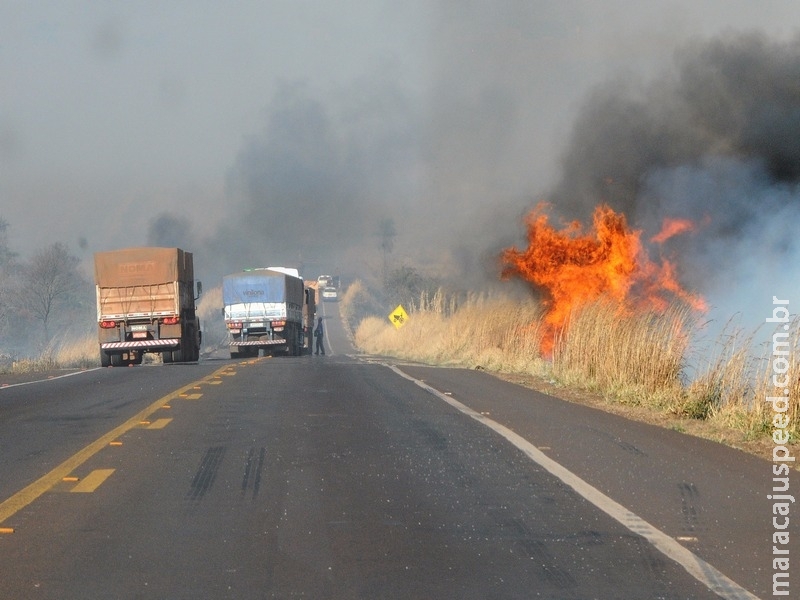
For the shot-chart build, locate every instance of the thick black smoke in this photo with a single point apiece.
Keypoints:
(736, 97)
(716, 140)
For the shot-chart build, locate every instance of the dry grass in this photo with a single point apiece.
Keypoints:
(79, 352)
(490, 333)
(635, 359)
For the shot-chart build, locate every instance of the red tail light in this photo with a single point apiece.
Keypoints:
(108, 324)
(278, 323)
(170, 320)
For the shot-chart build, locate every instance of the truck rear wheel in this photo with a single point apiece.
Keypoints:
(105, 359)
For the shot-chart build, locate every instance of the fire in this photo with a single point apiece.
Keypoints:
(571, 267)
(672, 227)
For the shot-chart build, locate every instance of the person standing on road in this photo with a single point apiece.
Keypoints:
(319, 332)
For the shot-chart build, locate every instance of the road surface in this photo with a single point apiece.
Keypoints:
(347, 476)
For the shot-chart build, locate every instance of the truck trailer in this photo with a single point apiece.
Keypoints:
(146, 303)
(264, 310)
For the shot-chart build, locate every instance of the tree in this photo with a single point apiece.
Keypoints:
(49, 283)
(6, 255)
(6, 283)
(386, 232)
(407, 286)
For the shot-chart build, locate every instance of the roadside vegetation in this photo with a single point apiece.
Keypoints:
(633, 363)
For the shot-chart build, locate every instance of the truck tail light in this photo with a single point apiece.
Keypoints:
(170, 320)
(234, 324)
(278, 323)
(108, 324)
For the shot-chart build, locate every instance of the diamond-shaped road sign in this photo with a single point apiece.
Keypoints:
(398, 316)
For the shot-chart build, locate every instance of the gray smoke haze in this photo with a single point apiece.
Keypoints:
(714, 137)
(313, 185)
(286, 132)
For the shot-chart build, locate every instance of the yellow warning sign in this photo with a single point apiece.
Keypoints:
(398, 316)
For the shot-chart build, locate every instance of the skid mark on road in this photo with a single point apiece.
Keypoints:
(206, 473)
(25, 496)
(704, 572)
(252, 471)
(690, 499)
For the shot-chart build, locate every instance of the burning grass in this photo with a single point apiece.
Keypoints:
(572, 267)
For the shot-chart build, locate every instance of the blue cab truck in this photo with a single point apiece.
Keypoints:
(266, 310)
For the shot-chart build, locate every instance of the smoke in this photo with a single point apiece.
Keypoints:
(715, 139)
(317, 180)
(168, 230)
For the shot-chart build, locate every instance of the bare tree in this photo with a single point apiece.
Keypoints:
(6, 255)
(386, 232)
(6, 280)
(49, 282)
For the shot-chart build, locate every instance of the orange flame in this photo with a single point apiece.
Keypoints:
(672, 227)
(572, 267)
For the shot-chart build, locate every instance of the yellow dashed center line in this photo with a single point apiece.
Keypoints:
(30, 493)
(92, 481)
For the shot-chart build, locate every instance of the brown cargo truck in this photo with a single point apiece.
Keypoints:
(146, 303)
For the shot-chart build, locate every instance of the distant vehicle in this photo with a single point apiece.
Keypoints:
(324, 281)
(330, 294)
(146, 303)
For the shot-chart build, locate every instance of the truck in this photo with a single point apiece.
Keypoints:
(146, 303)
(265, 310)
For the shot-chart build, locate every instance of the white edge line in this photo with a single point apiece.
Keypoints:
(325, 330)
(11, 385)
(704, 572)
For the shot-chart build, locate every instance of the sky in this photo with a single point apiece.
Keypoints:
(256, 133)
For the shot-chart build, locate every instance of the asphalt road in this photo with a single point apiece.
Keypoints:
(353, 477)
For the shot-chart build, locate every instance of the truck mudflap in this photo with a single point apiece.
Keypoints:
(167, 343)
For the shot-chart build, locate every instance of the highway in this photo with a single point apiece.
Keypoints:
(349, 476)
